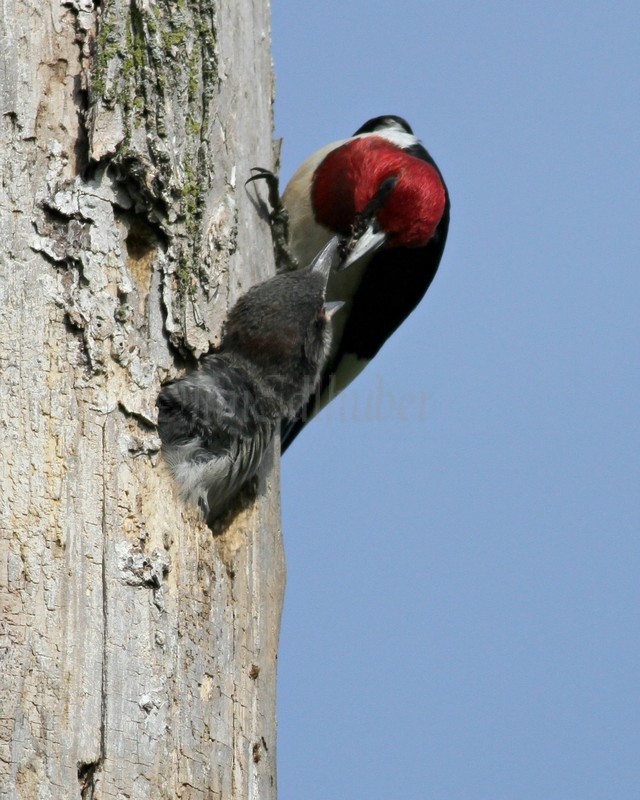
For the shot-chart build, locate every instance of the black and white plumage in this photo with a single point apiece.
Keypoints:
(215, 423)
(381, 192)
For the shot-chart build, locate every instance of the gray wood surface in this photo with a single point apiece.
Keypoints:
(137, 649)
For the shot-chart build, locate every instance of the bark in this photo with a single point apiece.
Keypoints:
(138, 648)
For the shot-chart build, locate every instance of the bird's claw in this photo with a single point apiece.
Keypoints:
(279, 219)
(273, 185)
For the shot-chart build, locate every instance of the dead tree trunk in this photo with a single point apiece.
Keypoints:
(138, 650)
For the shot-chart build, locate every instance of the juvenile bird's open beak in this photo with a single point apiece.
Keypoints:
(331, 307)
(366, 244)
(326, 258)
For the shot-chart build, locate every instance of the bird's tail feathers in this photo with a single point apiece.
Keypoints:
(211, 480)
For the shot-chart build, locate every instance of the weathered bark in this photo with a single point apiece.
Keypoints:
(138, 648)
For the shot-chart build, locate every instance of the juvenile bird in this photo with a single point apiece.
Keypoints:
(382, 194)
(215, 423)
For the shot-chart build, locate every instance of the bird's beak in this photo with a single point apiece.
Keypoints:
(366, 244)
(326, 258)
(329, 309)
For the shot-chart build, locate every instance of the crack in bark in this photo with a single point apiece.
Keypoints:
(84, 24)
(86, 779)
(105, 609)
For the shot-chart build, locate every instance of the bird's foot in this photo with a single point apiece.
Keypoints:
(279, 220)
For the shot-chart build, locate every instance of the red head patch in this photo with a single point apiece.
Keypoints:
(349, 178)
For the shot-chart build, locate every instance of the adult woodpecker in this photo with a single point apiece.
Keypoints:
(215, 423)
(383, 195)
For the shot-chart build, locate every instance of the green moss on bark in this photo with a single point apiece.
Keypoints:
(154, 64)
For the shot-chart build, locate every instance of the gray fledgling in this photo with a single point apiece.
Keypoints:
(215, 423)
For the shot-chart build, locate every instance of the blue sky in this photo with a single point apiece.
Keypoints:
(462, 525)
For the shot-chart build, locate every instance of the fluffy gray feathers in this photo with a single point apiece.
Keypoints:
(215, 423)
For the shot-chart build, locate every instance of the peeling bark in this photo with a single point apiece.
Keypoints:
(137, 647)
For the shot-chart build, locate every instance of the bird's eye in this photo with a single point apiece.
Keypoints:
(386, 187)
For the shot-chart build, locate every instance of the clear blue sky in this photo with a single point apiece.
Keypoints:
(463, 603)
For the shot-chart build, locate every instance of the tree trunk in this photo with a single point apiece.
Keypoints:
(138, 647)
